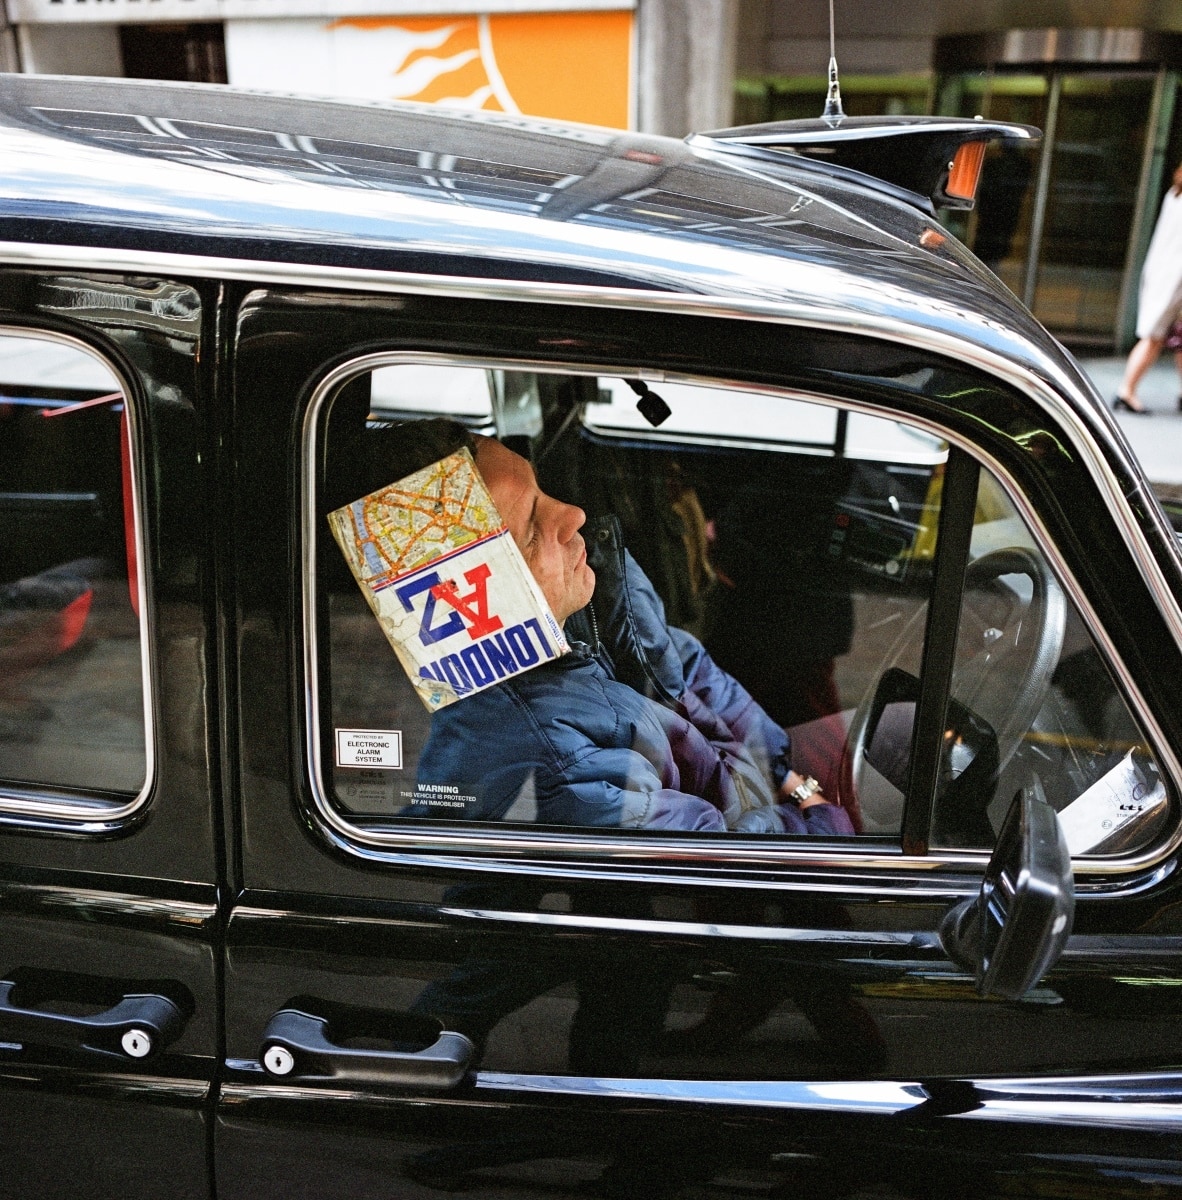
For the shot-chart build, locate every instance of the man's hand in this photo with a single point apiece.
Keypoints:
(791, 783)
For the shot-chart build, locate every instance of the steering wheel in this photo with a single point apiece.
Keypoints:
(1008, 645)
(1005, 678)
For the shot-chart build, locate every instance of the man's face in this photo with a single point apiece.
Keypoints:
(545, 530)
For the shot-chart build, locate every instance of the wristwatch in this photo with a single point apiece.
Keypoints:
(805, 790)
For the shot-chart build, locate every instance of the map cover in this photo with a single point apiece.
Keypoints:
(446, 581)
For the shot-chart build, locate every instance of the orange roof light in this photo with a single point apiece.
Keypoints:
(965, 171)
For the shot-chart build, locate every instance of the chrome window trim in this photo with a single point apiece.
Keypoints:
(721, 854)
(1039, 384)
(27, 806)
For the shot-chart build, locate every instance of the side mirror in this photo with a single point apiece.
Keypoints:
(1016, 928)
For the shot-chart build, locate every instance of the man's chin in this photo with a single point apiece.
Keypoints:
(589, 584)
(580, 592)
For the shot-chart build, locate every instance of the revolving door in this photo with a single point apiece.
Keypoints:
(1065, 225)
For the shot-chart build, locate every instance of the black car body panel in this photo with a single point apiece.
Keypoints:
(126, 906)
(651, 1015)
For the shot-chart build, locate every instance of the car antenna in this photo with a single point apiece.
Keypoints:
(833, 114)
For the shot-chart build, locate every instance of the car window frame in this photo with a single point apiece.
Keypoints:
(379, 840)
(50, 809)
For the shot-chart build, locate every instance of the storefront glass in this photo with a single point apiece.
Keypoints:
(1057, 222)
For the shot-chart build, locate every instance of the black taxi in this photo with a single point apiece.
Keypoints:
(263, 932)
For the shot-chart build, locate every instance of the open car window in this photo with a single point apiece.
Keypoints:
(779, 565)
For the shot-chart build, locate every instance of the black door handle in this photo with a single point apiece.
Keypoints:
(136, 1026)
(298, 1046)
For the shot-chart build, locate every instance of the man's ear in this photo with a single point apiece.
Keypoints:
(480, 440)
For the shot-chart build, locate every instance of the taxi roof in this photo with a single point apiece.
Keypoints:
(229, 176)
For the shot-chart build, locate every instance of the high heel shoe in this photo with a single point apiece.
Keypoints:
(1120, 404)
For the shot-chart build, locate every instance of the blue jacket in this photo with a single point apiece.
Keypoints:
(636, 728)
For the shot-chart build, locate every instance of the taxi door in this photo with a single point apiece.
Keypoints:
(416, 1006)
(108, 820)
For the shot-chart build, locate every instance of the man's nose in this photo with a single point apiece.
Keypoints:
(572, 519)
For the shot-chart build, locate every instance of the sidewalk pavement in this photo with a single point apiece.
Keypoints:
(1156, 439)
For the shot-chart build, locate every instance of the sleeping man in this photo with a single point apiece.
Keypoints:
(636, 728)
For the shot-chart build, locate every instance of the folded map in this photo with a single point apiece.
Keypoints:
(446, 581)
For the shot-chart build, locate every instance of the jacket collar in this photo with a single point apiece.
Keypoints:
(626, 617)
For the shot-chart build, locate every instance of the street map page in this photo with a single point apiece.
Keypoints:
(447, 583)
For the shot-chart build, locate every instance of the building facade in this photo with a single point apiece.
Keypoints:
(1066, 227)
(648, 64)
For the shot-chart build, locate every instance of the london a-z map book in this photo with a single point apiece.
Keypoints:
(446, 581)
